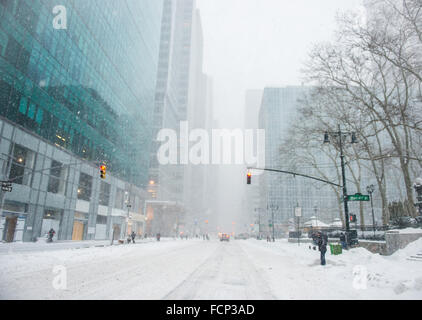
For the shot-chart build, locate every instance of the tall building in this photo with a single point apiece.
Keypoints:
(284, 192)
(199, 115)
(251, 200)
(83, 89)
(181, 95)
(276, 114)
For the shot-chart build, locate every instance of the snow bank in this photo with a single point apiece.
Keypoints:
(408, 230)
(355, 274)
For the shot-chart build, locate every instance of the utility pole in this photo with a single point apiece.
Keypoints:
(340, 134)
(370, 189)
(343, 175)
(272, 207)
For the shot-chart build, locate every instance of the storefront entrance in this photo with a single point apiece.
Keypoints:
(10, 227)
(116, 232)
(78, 230)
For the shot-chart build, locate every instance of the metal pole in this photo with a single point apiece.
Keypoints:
(343, 174)
(373, 216)
(272, 218)
(298, 231)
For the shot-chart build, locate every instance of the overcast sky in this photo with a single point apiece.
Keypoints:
(251, 44)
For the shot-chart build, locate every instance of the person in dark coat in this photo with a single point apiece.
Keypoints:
(51, 234)
(158, 237)
(343, 240)
(133, 235)
(322, 246)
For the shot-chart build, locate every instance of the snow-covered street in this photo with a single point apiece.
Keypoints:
(197, 269)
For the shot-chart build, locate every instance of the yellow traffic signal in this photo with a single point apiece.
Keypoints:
(248, 178)
(103, 169)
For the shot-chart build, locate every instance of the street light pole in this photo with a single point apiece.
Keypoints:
(343, 175)
(272, 207)
(339, 134)
(370, 189)
(259, 221)
(272, 222)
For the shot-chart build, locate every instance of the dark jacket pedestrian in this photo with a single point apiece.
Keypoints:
(158, 237)
(51, 234)
(343, 240)
(133, 235)
(322, 246)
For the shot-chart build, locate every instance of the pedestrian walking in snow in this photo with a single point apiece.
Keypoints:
(133, 235)
(51, 234)
(158, 237)
(322, 246)
(343, 240)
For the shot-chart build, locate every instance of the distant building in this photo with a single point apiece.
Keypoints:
(251, 208)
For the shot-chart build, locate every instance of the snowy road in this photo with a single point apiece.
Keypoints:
(196, 269)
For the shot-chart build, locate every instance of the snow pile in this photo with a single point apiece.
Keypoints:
(314, 222)
(197, 269)
(407, 230)
(354, 274)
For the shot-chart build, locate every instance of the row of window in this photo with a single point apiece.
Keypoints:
(22, 163)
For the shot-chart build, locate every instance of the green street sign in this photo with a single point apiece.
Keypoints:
(270, 225)
(358, 197)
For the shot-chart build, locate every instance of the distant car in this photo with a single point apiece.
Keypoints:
(225, 237)
(242, 236)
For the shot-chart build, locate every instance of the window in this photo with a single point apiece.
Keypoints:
(57, 180)
(53, 214)
(15, 206)
(104, 193)
(22, 165)
(85, 187)
(119, 199)
(101, 219)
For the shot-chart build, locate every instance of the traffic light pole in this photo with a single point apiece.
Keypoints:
(272, 222)
(373, 216)
(343, 175)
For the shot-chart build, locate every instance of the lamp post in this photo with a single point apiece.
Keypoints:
(418, 188)
(259, 221)
(339, 134)
(272, 207)
(370, 189)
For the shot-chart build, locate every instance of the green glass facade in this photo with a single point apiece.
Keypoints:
(88, 88)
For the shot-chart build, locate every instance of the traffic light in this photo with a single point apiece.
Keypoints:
(352, 218)
(103, 169)
(248, 178)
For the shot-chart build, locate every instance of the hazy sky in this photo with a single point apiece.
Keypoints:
(255, 43)
(250, 44)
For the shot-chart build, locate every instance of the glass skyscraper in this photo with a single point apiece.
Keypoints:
(88, 88)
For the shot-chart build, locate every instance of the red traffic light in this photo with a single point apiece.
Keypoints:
(248, 178)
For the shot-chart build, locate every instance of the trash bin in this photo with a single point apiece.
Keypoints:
(338, 249)
(332, 248)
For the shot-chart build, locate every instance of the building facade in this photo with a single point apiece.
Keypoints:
(53, 188)
(82, 90)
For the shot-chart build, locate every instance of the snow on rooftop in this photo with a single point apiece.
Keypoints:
(314, 222)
